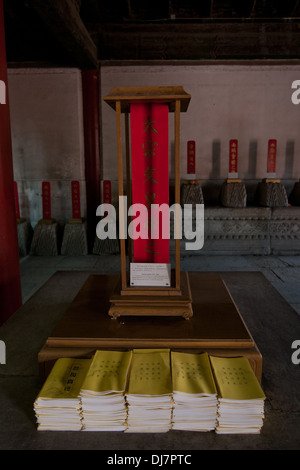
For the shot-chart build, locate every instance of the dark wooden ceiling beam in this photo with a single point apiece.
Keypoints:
(199, 41)
(63, 21)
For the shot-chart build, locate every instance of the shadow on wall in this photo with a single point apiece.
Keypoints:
(289, 159)
(252, 163)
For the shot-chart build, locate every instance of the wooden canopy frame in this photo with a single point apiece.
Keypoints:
(120, 98)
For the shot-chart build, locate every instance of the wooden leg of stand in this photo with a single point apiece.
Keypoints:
(177, 192)
(121, 193)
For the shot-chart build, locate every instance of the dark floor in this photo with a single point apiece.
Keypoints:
(266, 290)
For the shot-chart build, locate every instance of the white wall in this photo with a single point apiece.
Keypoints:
(47, 138)
(248, 103)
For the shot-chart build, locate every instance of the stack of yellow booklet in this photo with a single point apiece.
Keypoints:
(241, 399)
(58, 407)
(149, 394)
(194, 392)
(151, 390)
(103, 392)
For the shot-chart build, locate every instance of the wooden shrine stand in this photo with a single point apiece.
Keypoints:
(126, 300)
(196, 313)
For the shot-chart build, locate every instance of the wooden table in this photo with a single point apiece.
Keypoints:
(216, 326)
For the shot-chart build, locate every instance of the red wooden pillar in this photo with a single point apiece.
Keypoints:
(90, 92)
(10, 283)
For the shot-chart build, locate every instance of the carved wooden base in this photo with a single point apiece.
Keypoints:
(150, 302)
(272, 193)
(233, 194)
(191, 193)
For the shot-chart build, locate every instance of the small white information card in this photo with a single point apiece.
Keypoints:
(150, 274)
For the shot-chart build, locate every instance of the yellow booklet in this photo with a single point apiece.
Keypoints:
(235, 378)
(65, 379)
(192, 374)
(150, 372)
(108, 371)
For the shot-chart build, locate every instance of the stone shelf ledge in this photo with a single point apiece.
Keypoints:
(250, 230)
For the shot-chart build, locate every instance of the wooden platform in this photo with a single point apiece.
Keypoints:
(216, 326)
